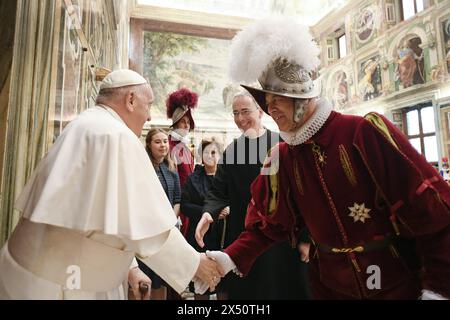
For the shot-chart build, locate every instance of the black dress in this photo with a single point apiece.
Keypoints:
(192, 201)
(278, 273)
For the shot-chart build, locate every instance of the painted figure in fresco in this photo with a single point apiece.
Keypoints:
(408, 65)
(368, 86)
(446, 31)
(448, 55)
(341, 90)
(365, 24)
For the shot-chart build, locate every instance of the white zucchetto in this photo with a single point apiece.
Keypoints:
(122, 78)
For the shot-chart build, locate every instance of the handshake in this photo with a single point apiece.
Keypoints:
(213, 266)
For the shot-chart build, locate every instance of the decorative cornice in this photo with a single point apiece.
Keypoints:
(188, 17)
(330, 22)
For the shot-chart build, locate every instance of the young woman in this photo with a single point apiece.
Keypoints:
(157, 146)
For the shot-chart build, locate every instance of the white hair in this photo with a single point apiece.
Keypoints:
(108, 94)
(259, 44)
(244, 94)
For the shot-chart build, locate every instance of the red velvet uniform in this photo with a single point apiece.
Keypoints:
(184, 159)
(359, 187)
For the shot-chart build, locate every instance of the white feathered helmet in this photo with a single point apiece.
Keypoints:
(281, 55)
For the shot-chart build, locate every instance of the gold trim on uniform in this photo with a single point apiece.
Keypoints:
(347, 166)
(378, 122)
(270, 169)
(273, 197)
(298, 179)
(348, 250)
(321, 157)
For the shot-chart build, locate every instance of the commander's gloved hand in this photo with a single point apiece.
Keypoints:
(430, 295)
(225, 261)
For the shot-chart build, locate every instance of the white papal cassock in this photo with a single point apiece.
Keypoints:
(91, 205)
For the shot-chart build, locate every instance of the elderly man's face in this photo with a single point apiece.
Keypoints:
(144, 99)
(247, 115)
(281, 109)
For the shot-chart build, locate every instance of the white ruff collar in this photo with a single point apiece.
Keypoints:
(179, 137)
(310, 127)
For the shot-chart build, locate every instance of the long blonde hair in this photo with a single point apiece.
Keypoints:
(167, 159)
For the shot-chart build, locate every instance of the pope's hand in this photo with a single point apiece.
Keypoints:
(202, 228)
(227, 265)
(209, 271)
(136, 278)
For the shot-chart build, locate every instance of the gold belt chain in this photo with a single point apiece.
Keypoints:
(347, 250)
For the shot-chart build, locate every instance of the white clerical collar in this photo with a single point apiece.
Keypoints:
(112, 112)
(310, 127)
(251, 135)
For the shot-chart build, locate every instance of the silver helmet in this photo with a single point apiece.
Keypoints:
(281, 55)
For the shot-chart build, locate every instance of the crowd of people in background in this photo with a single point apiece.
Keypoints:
(217, 188)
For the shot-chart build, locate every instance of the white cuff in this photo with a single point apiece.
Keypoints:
(430, 295)
(134, 263)
(175, 261)
(200, 286)
(225, 261)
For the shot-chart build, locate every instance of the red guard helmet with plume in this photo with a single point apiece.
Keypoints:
(179, 104)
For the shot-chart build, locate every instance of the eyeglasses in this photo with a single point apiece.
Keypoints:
(243, 112)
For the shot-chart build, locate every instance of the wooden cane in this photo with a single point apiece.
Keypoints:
(224, 229)
(143, 288)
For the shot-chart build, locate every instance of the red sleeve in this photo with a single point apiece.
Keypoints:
(435, 252)
(265, 223)
(417, 196)
(245, 249)
(184, 170)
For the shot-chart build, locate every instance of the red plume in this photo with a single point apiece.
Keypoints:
(179, 98)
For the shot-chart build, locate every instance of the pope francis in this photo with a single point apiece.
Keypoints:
(93, 204)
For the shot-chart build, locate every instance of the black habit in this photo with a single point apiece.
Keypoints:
(279, 272)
